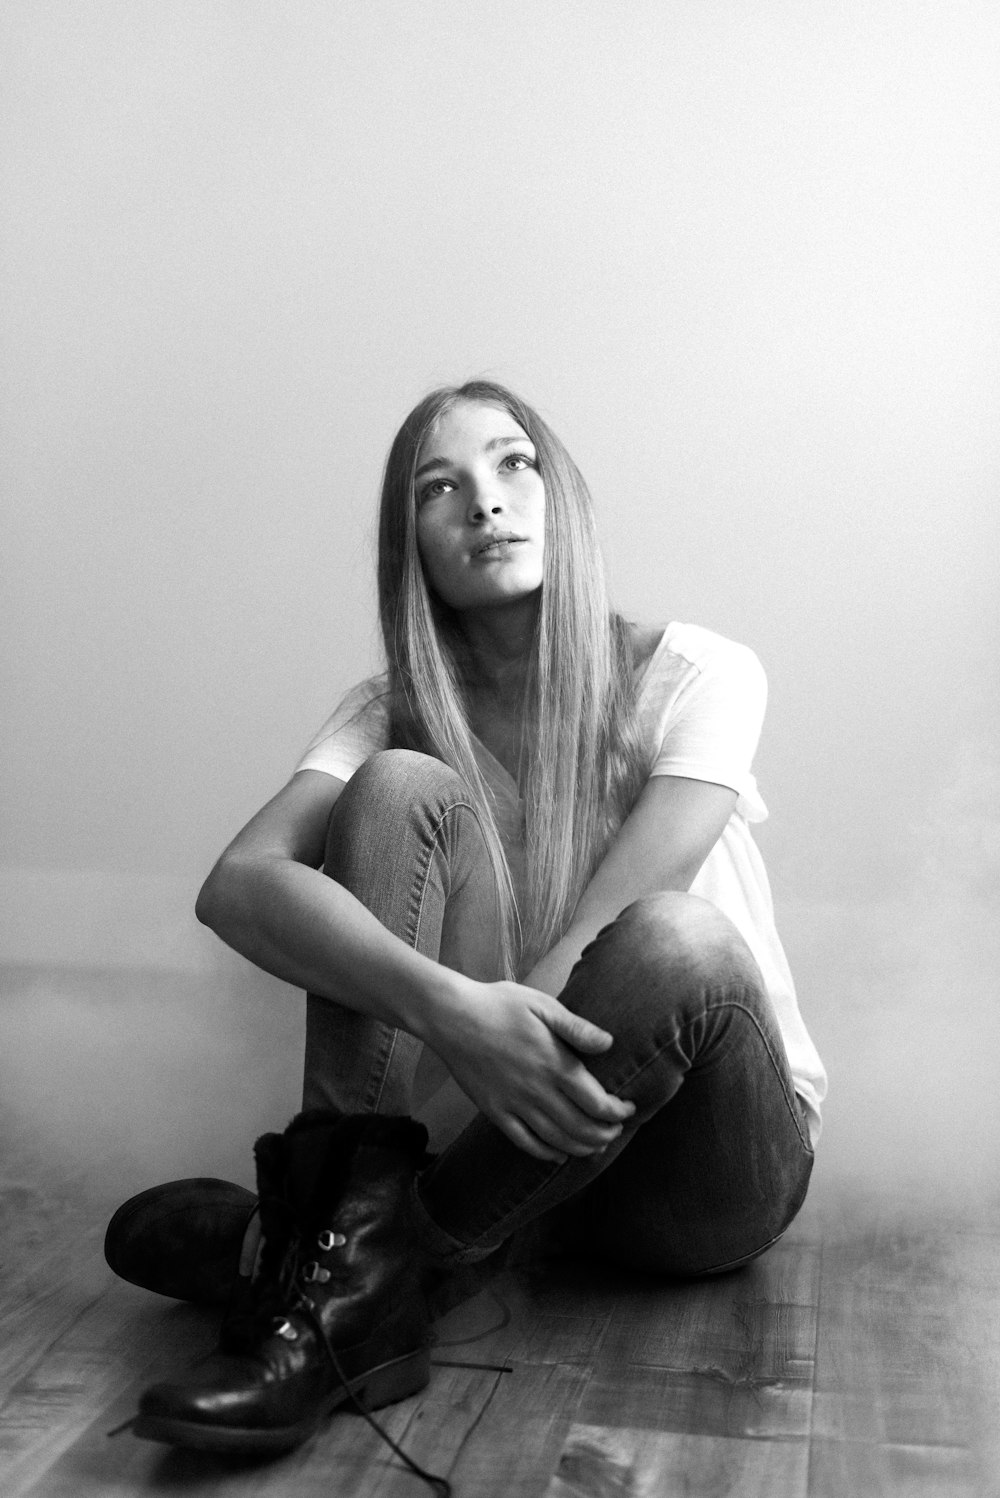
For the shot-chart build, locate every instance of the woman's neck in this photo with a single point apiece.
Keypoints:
(498, 650)
(496, 661)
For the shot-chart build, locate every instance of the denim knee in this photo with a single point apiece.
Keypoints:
(390, 784)
(404, 775)
(678, 940)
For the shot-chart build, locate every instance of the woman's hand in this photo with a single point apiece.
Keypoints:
(516, 1052)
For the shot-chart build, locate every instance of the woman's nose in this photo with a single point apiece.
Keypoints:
(484, 500)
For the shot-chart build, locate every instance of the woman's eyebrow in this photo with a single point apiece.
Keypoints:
(490, 446)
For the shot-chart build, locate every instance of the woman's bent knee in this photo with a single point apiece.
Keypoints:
(403, 772)
(390, 785)
(683, 934)
(402, 808)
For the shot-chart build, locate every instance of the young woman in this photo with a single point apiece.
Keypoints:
(516, 877)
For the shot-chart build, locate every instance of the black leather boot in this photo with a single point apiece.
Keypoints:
(337, 1308)
(183, 1239)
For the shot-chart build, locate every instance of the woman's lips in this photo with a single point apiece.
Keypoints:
(496, 546)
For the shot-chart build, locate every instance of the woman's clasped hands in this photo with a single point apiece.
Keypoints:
(518, 1054)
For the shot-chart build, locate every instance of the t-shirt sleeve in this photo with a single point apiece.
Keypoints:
(711, 724)
(356, 729)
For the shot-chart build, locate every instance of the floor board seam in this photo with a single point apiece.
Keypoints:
(27, 1368)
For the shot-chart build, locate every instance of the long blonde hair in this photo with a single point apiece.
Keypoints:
(584, 765)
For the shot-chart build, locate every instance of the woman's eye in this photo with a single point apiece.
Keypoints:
(434, 488)
(518, 460)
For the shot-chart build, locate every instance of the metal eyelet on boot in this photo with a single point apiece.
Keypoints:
(284, 1328)
(329, 1239)
(313, 1274)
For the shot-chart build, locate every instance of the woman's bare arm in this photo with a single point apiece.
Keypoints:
(662, 844)
(267, 898)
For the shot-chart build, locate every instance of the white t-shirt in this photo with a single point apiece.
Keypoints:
(700, 707)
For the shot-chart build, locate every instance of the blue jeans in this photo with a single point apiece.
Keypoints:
(715, 1161)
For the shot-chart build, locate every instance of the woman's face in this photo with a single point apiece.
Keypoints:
(480, 509)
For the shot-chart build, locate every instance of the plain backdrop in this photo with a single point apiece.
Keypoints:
(743, 258)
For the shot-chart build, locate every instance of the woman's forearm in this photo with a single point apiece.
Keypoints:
(308, 930)
(661, 846)
(552, 971)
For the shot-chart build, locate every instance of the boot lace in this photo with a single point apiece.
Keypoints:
(281, 1289)
(437, 1484)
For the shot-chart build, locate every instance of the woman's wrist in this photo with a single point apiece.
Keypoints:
(435, 1000)
(552, 971)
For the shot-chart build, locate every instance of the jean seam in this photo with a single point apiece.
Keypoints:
(382, 1067)
(383, 1064)
(427, 853)
(790, 1102)
(728, 1003)
(790, 1216)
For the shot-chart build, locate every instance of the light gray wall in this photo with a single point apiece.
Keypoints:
(744, 258)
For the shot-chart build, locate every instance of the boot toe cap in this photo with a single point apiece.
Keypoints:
(181, 1239)
(233, 1404)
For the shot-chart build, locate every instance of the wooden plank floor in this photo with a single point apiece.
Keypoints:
(861, 1356)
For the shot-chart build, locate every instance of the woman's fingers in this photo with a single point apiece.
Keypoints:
(580, 1085)
(518, 1057)
(553, 1125)
(530, 1142)
(574, 1129)
(577, 1032)
(569, 1143)
(585, 1092)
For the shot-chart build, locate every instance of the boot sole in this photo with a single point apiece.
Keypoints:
(387, 1384)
